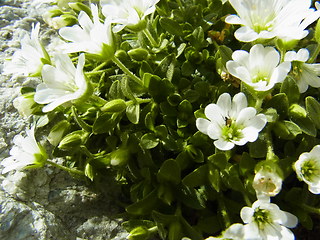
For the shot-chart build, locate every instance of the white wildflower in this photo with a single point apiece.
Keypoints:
(30, 58)
(231, 123)
(128, 13)
(259, 68)
(91, 36)
(308, 169)
(306, 74)
(26, 152)
(267, 183)
(284, 19)
(62, 84)
(265, 221)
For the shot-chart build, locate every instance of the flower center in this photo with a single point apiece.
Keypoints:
(261, 217)
(260, 76)
(310, 170)
(261, 18)
(297, 69)
(231, 131)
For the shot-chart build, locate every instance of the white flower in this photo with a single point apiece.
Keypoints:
(62, 83)
(29, 59)
(305, 74)
(260, 68)
(127, 13)
(24, 104)
(267, 183)
(308, 169)
(265, 221)
(231, 123)
(25, 152)
(234, 232)
(284, 19)
(91, 36)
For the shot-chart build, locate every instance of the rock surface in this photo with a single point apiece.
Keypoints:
(43, 203)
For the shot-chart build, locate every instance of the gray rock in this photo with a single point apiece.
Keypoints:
(43, 203)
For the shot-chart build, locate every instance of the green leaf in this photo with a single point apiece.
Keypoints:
(258, 149)
(191, 231)
(306, 125)
(169, 172)
(219, 159)
(160, 89)
(279, 102)
(58, 131)
(290, 88)
(126, 89)
(196, 38)
(313, 109)
(191, 197)
(149, 141)
(145, 205)
(195, 153)
(161, 131)
(166, 67)
(197, 177)
(286, 129)
(175, 231)
(149, 121)
(247, 164)
(214, 178)
(133, 113)
(139, 233)
(115, 91)
(225, 53)
(187, 68)
(103, 123)
(171, 26)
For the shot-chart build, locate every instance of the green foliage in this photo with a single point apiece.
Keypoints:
(139, 126)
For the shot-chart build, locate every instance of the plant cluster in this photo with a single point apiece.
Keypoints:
(211, 129)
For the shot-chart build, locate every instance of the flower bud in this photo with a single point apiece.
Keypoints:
(72, 140)
(267, 181)
(116, 105)
(138, 54)
(24, 104)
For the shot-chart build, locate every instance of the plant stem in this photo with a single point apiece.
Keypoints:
(70, 170)
(270, 153)
(99, 66)
(150, 38)
(126, 70)
(224, 211)
(94, 72)
(310, 209)
(138, 100)
(314, 54)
